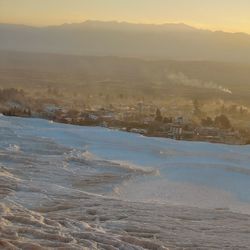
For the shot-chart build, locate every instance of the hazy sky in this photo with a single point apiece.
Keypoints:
(228, 15)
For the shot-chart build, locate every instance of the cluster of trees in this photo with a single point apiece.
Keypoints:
(220, 121)
(235, 109)
(11, 94)
(160, 118)
(15, 111)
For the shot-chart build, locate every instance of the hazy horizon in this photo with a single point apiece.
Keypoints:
(228, 16)
(126, 22)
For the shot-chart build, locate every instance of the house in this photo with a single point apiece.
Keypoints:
(207, 131)
(179, 120)
(210, 134)
(176, 131)
(92, 117)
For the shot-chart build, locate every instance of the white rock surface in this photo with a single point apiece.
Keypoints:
(55, 196)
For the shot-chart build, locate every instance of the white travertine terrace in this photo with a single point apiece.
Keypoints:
(53, 198)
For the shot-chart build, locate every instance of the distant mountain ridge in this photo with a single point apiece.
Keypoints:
(96, 38)
(110, 25)
(131, 26)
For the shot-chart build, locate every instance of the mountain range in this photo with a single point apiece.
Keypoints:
(96, 38)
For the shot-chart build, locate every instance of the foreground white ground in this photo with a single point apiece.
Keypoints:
(45, 216)
(53, 196)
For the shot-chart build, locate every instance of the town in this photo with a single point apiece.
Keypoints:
(142, 118)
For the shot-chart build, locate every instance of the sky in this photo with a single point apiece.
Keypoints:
(227, 15)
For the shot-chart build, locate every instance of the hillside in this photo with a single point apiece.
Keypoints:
(149, 77)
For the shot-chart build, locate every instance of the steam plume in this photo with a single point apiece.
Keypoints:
(181, 78)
